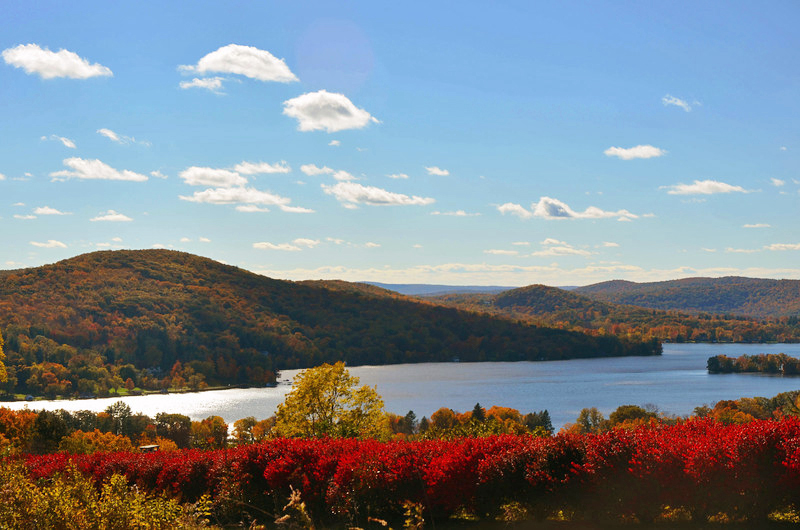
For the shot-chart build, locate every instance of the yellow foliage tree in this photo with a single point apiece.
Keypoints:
(94, 441)
(327, 401)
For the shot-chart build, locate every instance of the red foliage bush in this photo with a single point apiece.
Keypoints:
(704, 467)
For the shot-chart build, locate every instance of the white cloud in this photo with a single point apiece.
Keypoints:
(313, 170)
(250, 168)
(370, 244)
(116, 239)
(185, 240)
(120, 138)
(552, 241)
(48, 64)
(741, 250)
(212, 84)
(328, 111)
(95, 170)
(703, 187)
(630, 153)
(206, 176)
(435, 170)
(757, 225)
(777, 182)
(26, 217)
(66, 142)
(676, 102)
(609, 244)
(243, 60)
(335, 240)
(514, 209)
(561, 250)
(521, 243)
(287, 247)
(250, 208)
(112, 216)
(351, 194)
(501, 252)
(397, 176)
(2, 177)
(243, 196)
(46, 210)
(50, 243)
(204, 240)
(549, 208)
(157, 174)
(708, 249)
(305, 242)
(457, 213)
(782, 246)
(335, 143)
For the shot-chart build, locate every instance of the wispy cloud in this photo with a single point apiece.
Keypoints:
(50, 243)
(397, 176)
(48, 64)
(120, 138)
(243, 60)
(295, 246)
(256, 168)
(66, 142)
(326, 111)
(313, 170)
(703, 187)
(757, 225)
(676, 102)
(777, 182)
(352, 194)
(212, 84)
(95, 170)
(500, 252)
(457, 213)
(631, 153)
(335, 143)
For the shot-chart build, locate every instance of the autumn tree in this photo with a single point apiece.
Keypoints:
(327, 401)
(3, 374)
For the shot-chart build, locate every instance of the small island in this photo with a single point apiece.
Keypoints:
(765, 363)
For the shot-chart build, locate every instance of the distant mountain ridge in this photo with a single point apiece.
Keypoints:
(727, 295)
(551, 306)
(424, 289)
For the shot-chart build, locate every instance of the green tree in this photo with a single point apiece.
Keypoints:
(591, 420)
(326, 401)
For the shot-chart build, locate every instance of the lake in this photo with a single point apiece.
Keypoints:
(675, 382)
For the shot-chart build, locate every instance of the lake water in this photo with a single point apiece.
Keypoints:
(676, 382)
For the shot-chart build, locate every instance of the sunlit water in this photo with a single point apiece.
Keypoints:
(675, 382)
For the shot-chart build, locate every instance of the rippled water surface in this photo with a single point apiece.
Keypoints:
(676, 382)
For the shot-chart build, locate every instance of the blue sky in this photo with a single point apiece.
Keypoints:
(469, 143)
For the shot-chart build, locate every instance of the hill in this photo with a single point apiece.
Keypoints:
(729, 295)
(159, 318)
(550, 306)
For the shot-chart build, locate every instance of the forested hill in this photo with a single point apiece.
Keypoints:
(148, 309)
(730, 295)
(553, 307)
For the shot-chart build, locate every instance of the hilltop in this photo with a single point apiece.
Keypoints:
(752, 297)
(554, 307)
(72, 326)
